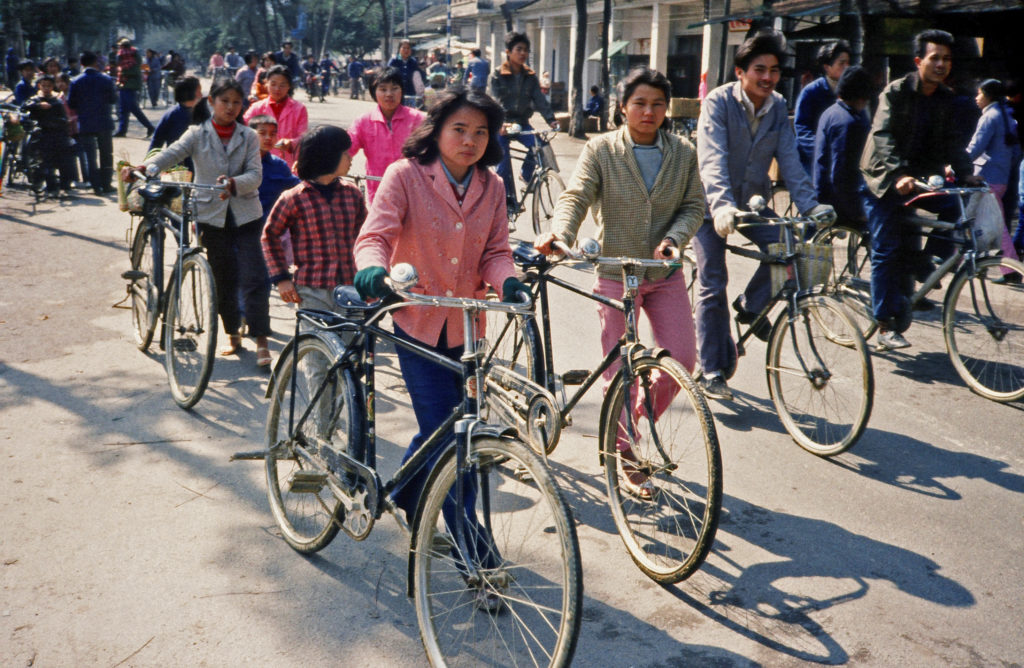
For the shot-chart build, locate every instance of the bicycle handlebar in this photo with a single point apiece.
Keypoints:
(404, 276)
(589, 251)
(187, 185)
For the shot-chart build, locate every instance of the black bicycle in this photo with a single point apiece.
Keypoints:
(657, 442)
(494, 564)
(21, 162)
(982, 311)
(187, 303)
(545, 185)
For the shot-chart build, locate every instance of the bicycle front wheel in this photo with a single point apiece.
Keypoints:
(850, 280)
(144, 291)
(663, 468)
(190, 330)
(549, 186)
(819, 376)
(510, 593)
(983, 324)
(303, 504)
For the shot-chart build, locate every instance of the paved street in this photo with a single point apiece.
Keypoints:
(129, 539)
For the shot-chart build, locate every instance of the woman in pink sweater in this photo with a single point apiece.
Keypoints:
(291, 116)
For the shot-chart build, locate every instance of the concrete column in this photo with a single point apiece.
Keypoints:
(711, 56)
(545, 46)
(573, 31)
(661, 34)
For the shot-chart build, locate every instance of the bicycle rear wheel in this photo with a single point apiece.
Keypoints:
(983, 324)
(850, 280)
(549, 186)
(663, 469)
(145, 291)
(306, 508)
(519, 603)
(820, 376)
(190, 330)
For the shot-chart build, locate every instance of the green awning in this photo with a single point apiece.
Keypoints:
(613, 48)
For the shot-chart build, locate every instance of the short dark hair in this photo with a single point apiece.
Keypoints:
(285, 43)
(224, 85)
(766, 42)
(185, 90)
(923, 38)
(643, 75)
(88, 59)
(421, 145)
(855, 84)
(51, 59)
(262, 119)
(283, 71)
(595, 90)
(829, 53)
(25, 64)
(320, 151)
(512, 38)
(47, 77)
(993, 89)
(475, 53)
(390, 75)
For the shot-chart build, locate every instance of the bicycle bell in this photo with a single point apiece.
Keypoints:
(513, 129)
(590, 248)
(756, 203)
(936, 181)
(404, 276)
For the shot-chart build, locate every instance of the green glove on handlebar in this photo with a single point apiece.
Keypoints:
(511, 288)
(370, 284)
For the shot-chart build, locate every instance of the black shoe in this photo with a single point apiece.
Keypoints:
(745, 317)
(715, 388)
(924, 305)
(149, 132)
(120, 134)
(1007, 279)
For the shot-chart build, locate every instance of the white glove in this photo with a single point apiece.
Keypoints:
(824, 214)
(725, 220)
(152, 170)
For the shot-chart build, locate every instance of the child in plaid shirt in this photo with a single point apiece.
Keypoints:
(323, 216)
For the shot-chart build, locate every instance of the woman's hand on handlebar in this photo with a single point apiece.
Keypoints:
(666, 250)
(128, 172)
(545, 243)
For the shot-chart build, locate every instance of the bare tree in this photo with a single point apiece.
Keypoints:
(606, 26)
(576, 117)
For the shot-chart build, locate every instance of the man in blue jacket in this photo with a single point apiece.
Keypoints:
(818, 96)
(92, 96)
(743, 126)
(25, 88)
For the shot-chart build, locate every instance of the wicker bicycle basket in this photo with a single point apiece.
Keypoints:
(813, 263)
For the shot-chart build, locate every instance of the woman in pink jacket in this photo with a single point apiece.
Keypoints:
(382, 132)
(443, 211)
(291, 116)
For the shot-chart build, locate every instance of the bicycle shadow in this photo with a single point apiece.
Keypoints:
(776, 602)
(747, 412)
(920, 467)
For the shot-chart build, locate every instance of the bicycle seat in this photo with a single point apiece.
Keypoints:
(162, 194)
(350, 304)
(525, 255)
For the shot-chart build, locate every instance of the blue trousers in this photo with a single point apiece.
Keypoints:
(99, 156)
(895, 253)
(714, 336)
(128, 103)
(434, 392)
(505, 166)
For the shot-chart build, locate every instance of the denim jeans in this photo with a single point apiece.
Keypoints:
(128, 103)
(505, 166)
(714, 336)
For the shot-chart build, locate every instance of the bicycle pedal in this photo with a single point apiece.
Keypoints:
(134, 275)
(575, 377)
(306, 482)
(184, 345)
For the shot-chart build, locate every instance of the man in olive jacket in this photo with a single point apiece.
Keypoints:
(913, 136)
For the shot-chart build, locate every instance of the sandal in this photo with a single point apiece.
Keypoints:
(234, 345)
(262, 356)
(633, 480)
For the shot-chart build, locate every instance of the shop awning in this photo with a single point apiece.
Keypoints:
(613, 48)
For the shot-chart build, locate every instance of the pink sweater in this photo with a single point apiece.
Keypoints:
(416, 218)
(380, 145)
(291, 124)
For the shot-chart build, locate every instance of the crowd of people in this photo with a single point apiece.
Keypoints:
(287, 219)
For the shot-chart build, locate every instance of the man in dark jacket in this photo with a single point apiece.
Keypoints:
(818, 96)
(517, 90)
(290, 59)
(129, 84)
(913, 136)
(92, 95)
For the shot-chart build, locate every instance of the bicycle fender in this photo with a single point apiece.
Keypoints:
(638, 354)
(482, 429)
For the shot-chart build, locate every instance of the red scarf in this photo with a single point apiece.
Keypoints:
(223, 131)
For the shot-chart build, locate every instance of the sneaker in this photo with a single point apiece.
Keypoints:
(715, 388)
(890, 340)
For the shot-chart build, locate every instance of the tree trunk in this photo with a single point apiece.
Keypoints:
(386, 21)
(576, 96)
(606, 26)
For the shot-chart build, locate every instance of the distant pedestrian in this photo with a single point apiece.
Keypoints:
(355, 77)
(25, 88)
(412, 78)
(91, 96)
(129, 84)
(478, 70)
(153, 76)
(290, 60)
(818, 96)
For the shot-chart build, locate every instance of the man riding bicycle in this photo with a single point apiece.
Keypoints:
(913, 135)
